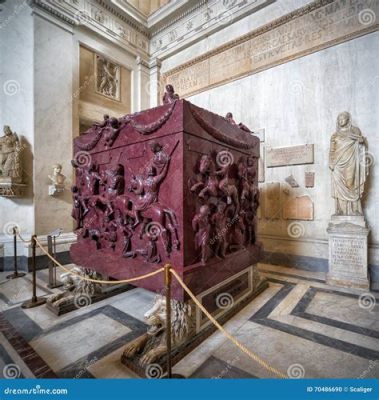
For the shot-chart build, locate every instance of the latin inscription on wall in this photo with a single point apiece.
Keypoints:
(348, 254)
(293, 155)
(319, 25)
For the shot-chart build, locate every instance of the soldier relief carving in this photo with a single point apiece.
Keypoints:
(121, 211)
(107, 78)
(227, 202)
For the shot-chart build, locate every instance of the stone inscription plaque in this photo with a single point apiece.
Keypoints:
(294, 155)
(349, 254)
(299, 208)
(309, 29)
(309, 179)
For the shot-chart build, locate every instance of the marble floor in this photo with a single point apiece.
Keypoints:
(299, 325)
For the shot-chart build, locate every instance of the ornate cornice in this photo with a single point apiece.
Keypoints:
(272, 25)
(193, 24)
(98, 16)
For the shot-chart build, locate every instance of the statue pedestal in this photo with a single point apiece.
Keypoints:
(55, 189)
(348, 243)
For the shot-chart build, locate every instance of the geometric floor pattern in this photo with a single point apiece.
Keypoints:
(299, 325)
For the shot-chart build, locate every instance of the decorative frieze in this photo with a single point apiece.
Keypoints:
(321, 24)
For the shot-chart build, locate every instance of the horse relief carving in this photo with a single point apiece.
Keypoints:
(121, 211)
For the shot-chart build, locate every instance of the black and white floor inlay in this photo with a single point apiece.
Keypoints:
(299, 325)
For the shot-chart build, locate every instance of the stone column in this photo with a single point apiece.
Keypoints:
(155, 87)
(53, 99)
(142, 85)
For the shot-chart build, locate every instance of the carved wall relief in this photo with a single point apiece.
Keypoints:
(107, 78)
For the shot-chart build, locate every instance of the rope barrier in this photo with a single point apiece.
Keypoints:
(253, 356)
(158, 271)
(21, 238)
(237, 343)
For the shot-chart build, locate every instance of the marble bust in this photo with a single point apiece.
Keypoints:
(57, 178)
(10, 148)
(347, 157)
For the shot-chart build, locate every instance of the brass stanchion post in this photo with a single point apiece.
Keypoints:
(167, 279)
(15, 274)
(35, 301)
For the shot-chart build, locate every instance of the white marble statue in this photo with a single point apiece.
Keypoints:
(347, 162)
(10, 148)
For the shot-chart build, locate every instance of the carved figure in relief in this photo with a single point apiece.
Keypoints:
(230, 208)
(201, 227)
(149, 252)
(91, 179)
(160, 158)
(10, 149)
(208, 184)
(229, 189)
(113, 181)
(230, 119)
(348, 165)
(113, 129)
(220, 223)
(79, 209)
(170, 96)
(147, 189)
(108, 81)
(147, 208)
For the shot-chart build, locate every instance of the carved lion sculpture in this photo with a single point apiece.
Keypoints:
(76, 287)
(152, 345)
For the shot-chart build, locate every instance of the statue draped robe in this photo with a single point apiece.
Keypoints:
(347, 161)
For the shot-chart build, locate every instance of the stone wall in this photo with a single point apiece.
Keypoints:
(297, 103)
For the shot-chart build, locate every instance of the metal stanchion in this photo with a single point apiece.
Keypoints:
(15, 274)
(51, 246)
(167, 279)
(35, 301)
